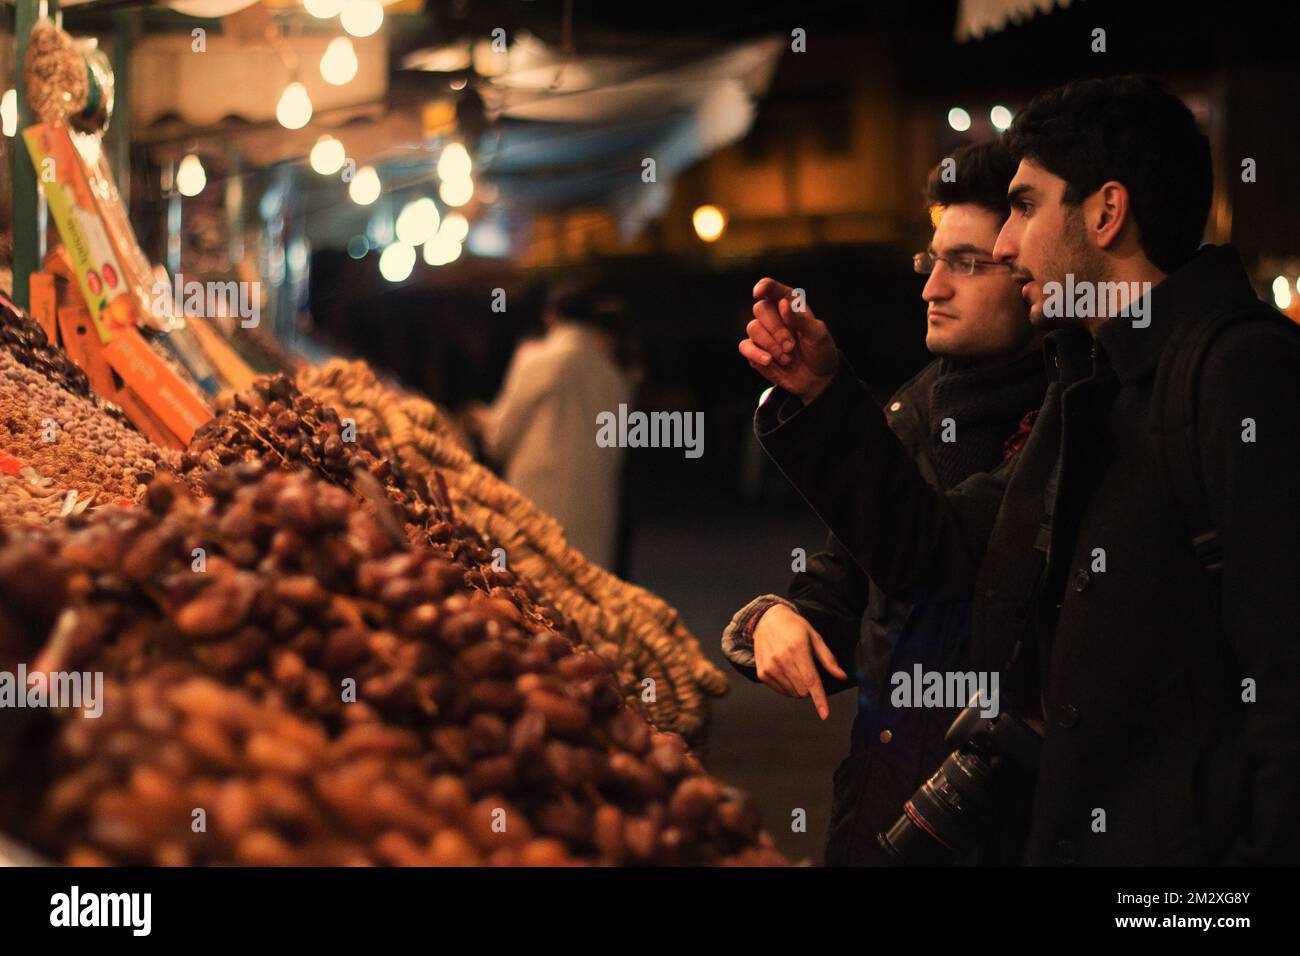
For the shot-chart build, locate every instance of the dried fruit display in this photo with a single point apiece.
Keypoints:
(324, 692)
(633, 629)
(26, 341)
(69, 439)
(274, 422)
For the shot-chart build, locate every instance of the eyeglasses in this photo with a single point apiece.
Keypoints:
(924, 262)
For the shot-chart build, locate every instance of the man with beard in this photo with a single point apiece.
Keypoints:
(986, 377)
(1135, 574)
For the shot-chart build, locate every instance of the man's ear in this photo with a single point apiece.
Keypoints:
(1107, 214)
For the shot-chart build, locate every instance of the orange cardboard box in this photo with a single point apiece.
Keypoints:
(155, 384)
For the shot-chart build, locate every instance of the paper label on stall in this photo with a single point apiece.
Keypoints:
(73, 207)
(156, 385)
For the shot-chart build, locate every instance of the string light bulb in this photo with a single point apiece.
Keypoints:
(339, 63)
(294, 109)
(190, 175)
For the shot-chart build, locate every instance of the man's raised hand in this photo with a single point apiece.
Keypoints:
(787, 344)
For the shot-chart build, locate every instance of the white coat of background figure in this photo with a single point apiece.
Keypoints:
(542, 428)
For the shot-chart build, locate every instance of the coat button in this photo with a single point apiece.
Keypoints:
(886, 736)
(1066, 852)
(1068, 716)
(1081, 580)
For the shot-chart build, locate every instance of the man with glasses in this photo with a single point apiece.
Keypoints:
(1135, 574)
(960, 415)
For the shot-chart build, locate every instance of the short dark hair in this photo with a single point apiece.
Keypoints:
(1130, 129)
(572, 301)
(979, 174)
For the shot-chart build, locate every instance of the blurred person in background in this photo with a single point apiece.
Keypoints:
(541, 429)
(835, 629)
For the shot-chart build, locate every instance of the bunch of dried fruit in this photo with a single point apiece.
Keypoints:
(54, 73)
(327, 693)
(275, 423)
(636, 631)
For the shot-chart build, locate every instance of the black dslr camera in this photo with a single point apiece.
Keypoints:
(955, 808)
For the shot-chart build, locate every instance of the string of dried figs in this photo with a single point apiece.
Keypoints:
(54, 73)
(465, 711)
(636, 631)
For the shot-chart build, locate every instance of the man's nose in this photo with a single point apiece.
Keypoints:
(937, 286)
(1006, 248)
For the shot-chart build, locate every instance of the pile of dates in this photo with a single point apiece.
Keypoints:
(274, 423)
(274, 420)
(289, 683)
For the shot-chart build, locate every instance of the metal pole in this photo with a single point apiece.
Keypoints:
(26, 203)
(118, 137)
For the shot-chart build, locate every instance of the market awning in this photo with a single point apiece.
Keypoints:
(977, 18)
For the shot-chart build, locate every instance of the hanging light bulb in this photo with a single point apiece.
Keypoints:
(361, 18)
(327, 156)
(9, 112)
(709, 222)
(417, 222)
(190, 176)
(456, 192)
(339, 64)
(294, 109)
(1281, 293)
(455, 227)
(323, 9)
(454, 163)
(364, 188)
(397, 261)
(440, 250)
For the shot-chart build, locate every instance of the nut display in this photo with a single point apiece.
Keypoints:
(30, 500)
(634, 630)
(327, 694)
(26, 341)
(69, 439)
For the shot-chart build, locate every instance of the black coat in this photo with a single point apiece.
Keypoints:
(872, 635)
(1151, 755)
(869, 634)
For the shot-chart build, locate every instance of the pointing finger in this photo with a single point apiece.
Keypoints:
(769, 288)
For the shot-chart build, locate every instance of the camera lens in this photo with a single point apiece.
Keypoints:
(945, 817)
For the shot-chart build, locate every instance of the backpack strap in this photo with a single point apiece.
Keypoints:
(1173, 426)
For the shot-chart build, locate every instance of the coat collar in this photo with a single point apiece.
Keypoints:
(1213, 279)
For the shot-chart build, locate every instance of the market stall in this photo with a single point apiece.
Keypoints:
(312, 628)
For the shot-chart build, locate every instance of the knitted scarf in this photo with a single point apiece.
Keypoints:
(987, 406)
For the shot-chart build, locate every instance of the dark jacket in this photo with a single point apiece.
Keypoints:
(871, 635)
(1137, 659)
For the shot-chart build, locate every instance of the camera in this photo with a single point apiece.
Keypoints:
(955, 808)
